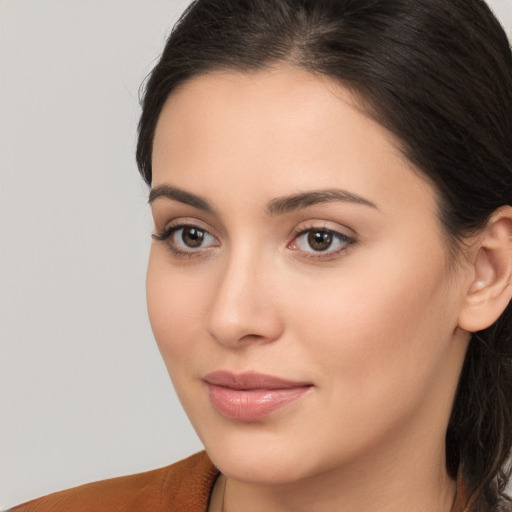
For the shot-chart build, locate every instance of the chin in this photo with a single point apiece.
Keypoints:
(263, 457)
(259, 467)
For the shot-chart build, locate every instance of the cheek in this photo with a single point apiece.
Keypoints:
(176, 308)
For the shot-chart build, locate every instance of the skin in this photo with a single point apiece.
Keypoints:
(372, 327)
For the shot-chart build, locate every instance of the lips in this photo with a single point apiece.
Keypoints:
(251, 396)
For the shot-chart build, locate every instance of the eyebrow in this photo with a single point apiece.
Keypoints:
(179, 195)
(278, 206)
(294, 202)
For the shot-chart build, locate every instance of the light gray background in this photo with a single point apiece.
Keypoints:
(83, 392)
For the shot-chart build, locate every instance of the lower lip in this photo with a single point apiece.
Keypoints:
(252, 404)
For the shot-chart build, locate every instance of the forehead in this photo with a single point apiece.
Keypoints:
(284, 102)
(279, 96)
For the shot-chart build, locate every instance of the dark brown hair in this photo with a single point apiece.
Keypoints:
(437, 74)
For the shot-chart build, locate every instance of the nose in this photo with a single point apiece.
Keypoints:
(243, 309)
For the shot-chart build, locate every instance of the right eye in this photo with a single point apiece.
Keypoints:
(186, 240)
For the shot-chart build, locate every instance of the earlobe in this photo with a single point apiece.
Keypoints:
(490, 289)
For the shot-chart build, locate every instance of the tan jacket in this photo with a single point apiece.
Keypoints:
(182, 487)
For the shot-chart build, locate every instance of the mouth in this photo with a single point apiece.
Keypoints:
(251, 396)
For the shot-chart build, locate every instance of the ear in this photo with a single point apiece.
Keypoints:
(490, 289)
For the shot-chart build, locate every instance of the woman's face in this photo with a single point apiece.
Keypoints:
(300, 292)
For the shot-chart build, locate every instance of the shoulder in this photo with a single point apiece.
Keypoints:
(183, 486)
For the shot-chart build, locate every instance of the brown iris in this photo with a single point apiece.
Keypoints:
(320, 240)
(192, 237)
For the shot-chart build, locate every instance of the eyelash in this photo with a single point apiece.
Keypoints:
(346, 240)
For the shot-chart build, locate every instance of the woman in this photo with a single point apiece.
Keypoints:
(330, 278)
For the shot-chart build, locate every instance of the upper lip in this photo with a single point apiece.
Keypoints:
(250, 380)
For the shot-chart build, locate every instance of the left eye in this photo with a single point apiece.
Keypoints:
(321, 240)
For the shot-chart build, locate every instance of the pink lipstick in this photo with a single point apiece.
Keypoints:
(251, 396)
